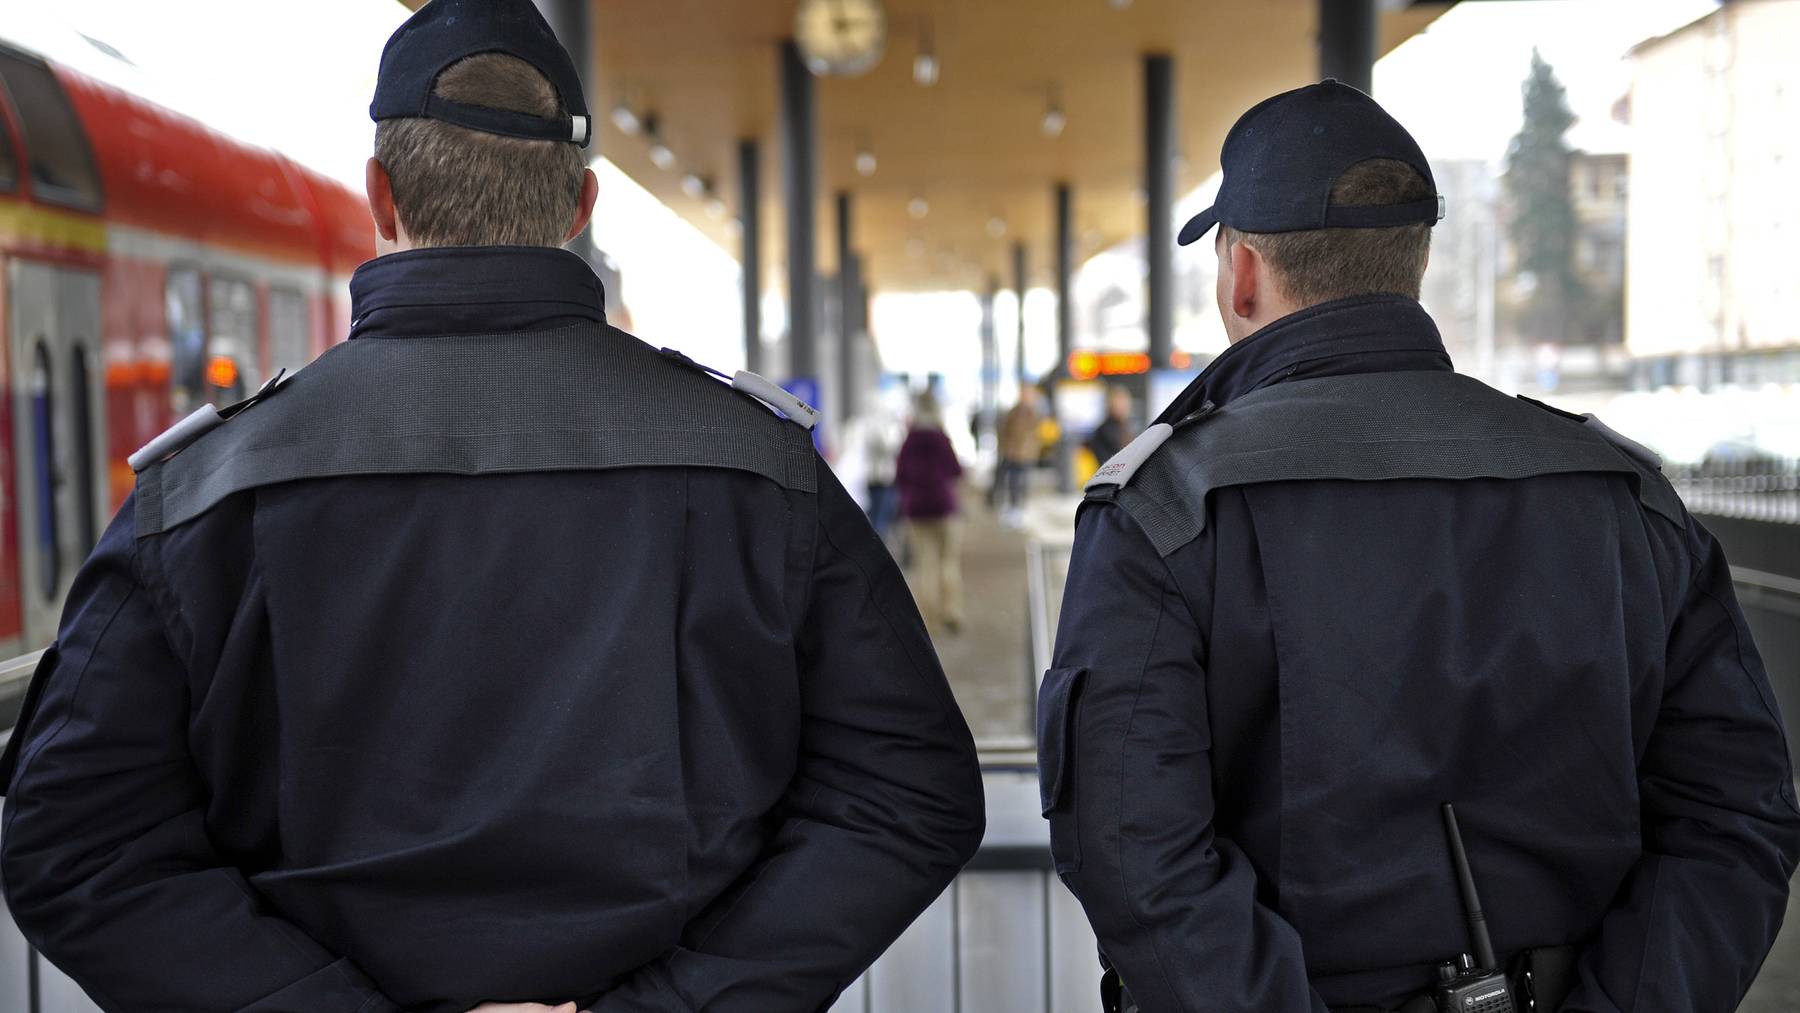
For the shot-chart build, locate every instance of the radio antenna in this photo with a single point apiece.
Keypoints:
(1465, 884)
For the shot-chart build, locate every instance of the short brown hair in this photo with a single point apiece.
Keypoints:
(1320, 265)
(459, 187)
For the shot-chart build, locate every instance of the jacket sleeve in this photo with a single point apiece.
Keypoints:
(107, 865)
(885, 806)
(1721, 833)
(1126, 777)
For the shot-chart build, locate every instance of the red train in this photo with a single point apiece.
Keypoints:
(147, 265)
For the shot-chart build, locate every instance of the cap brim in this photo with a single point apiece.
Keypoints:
(1197, 226)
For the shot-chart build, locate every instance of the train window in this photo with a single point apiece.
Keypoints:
(289, 323)
(82, 403)
(231, 308)
(9, 164)
(187, 340)
(56, 150)
(43, 478)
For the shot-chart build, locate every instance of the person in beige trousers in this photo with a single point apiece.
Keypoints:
(926, 474)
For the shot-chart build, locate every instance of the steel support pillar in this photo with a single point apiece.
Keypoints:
(1159, 203)
(1347, 33)
(990, 361)
(1065, 267)
(848, 285)
(569, 20)
(750, 238)
(800, 183)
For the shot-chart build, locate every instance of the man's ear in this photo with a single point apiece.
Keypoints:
(584, 211)
(1248, 270)
(381, 200)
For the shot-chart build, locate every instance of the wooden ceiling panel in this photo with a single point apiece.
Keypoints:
(972, 145)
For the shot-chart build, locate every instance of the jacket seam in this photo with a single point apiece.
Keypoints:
(26, 761)
(1125, 893)
(942, 689)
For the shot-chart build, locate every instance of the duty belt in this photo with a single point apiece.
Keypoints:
(1542, 978)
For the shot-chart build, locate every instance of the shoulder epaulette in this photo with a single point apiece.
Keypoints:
(771, 394)
(198, 423)
(761, 388)
(1632, 448)
(1118, 470)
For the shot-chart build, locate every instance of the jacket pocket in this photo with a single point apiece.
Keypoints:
(1058, 698)
(9, 760)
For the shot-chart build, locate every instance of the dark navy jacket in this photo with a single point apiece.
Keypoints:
(407, 742)
(1253, 733)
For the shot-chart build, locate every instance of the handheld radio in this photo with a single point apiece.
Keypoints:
(1471, 984)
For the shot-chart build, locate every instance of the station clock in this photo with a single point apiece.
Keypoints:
(840, 38)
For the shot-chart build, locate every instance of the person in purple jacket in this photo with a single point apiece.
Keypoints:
(926, 475)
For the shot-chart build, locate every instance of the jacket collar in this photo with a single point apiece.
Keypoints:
(472, 290)
(1364, 334)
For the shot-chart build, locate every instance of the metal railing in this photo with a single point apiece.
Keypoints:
(1754, 488)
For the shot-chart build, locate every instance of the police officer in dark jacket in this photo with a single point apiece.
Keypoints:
(494, 657)
(1338, 585)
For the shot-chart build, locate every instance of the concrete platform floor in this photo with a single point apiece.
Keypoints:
(986, 664)
(986, 659)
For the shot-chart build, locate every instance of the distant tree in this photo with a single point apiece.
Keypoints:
(1544, 225)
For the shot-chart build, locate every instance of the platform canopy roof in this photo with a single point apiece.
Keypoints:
(973, 145)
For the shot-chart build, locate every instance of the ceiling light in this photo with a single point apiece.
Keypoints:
(918, 207)
(925, 65)
(925, 70)
(1119, 5)
(626, 120)
(1054, 118)
(693, 186)
(996, 226)
(660, 154)
(734, 227)
(865, 162)
(715, 207)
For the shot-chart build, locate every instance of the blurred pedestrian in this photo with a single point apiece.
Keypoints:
(926, 473)
(1020, 447)
(1111, 435)
(882, 433)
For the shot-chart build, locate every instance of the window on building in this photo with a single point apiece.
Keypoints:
(57, 154)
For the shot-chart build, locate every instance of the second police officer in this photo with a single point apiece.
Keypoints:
(496, 656)
(1337, 585)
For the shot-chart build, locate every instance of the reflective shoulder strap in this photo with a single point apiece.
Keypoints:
(1368, 427)
(578, 398)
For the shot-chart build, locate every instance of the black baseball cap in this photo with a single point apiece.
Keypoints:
(1282, 158)
(445, 31)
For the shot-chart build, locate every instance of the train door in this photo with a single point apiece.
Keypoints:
(59, 462)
